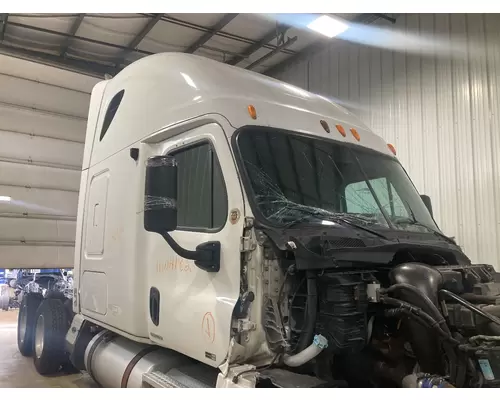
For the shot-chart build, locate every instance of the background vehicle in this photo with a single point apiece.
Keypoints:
(4, 291)
(42, 281)
(8, 296)
(235, 231)
(32, 287)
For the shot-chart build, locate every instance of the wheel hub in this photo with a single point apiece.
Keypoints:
(39, 336)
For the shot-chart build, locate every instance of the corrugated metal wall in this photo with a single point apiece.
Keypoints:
(441, 112)
(43, 113)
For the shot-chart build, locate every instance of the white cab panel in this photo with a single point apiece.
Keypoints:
(110, 225)
(196, 306)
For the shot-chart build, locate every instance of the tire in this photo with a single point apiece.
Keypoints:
(51, 325)
(20, 297)
(68, 303)
(26, 322)
(52, 294)
(68, 306)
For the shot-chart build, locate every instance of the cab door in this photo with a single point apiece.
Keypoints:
(190, 309)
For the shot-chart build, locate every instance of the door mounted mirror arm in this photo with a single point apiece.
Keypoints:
(206, 256)
(160, 212)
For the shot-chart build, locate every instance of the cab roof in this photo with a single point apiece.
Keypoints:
(167, 88)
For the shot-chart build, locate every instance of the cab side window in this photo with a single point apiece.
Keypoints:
(111, 112)
(201, 193)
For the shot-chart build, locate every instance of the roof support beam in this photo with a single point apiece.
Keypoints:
(258, 45)
(316, 47)
(142, 34)
(226, 35)
(386, 17)
(82, 67)
(277, 50)
(72, 32)
(138, 39)
(3, 25)
(75, 37)
(226, 19)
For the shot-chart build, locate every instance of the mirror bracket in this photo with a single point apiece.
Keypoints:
(206, 256)
(428, 204)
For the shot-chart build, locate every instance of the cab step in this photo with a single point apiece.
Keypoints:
(192, 376)
(156, 379)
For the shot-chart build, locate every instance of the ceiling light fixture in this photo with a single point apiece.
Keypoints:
(328, 26)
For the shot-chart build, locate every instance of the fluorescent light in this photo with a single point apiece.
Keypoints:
(328, 26)
(327, 223)
(5, 198)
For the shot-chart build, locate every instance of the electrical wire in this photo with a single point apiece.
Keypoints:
(430, 305)
(418, 314)
(470, 306)
(292, 300)
(258, 369)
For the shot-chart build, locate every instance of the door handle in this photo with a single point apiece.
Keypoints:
(154, 305)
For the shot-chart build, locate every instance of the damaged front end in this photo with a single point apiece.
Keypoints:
(397, 324)
(351, 282)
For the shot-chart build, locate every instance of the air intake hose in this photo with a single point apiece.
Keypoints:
(419, 284)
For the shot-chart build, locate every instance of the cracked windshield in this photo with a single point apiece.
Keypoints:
(297, 179)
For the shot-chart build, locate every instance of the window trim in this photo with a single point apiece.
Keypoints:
(188, 146)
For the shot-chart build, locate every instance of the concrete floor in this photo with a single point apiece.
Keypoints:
(17, 371)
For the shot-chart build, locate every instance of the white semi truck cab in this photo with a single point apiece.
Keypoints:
(237, 231)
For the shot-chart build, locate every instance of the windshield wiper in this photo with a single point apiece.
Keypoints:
(413, 221)
(435, 232)
(325, 215)
(373, 232)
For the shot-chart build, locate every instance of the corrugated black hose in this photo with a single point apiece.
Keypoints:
(422, 318)
(429, 305)
(418, 315)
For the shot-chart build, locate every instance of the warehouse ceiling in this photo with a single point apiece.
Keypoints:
(99, 44)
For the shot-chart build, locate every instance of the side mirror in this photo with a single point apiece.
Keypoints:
(160, 198)
(160, 212)
(428, 203)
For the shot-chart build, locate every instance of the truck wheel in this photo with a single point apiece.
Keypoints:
(49, 340)
(52, 294)
(26, 322)
(68, 306)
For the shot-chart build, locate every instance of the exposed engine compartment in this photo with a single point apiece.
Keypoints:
(395, 324)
